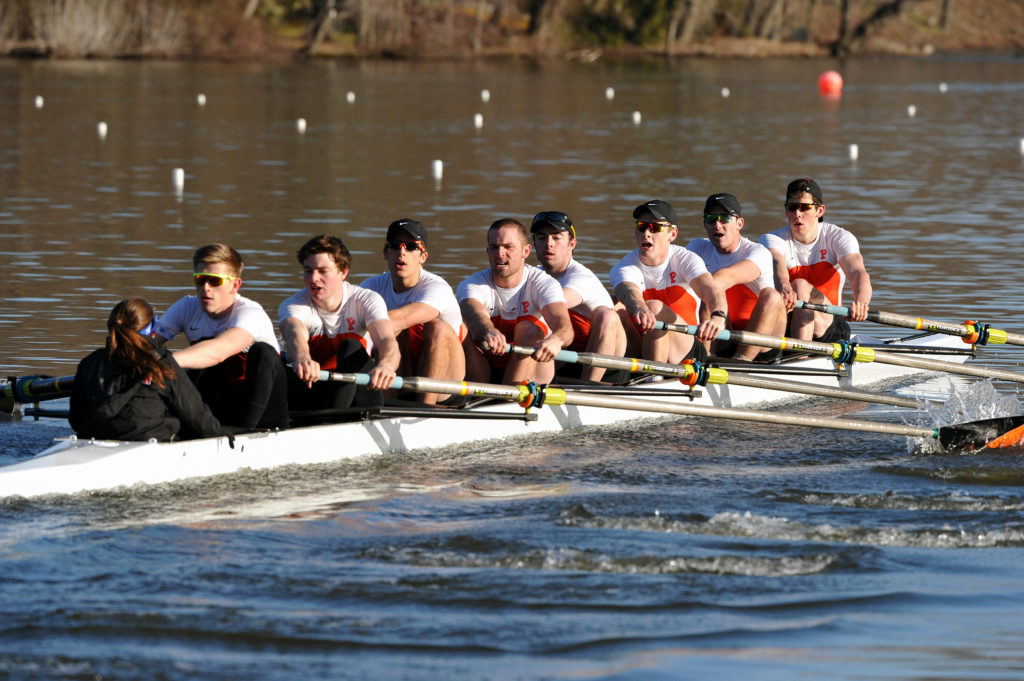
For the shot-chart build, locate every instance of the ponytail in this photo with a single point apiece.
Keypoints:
(129, 350)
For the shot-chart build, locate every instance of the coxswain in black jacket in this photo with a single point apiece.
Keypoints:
(107, 403)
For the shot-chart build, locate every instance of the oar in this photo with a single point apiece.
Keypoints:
(976, 333)
(964, 436)
(719, 376)
(847, 352)
(29, 389)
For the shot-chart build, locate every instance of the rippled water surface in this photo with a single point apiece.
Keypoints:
(666, 549)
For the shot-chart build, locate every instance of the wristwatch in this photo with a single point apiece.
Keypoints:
(720, 313)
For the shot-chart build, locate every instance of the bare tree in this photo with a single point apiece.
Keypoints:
(947, 13)
(686, 16)
(865, 28)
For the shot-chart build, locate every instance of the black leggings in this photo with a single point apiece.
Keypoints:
(351, 358)
(258, 400)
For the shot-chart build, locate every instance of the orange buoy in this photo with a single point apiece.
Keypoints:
(830, 84)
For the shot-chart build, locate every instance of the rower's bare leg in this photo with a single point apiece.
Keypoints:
(805, 324)
(441, 357)
(634, 341)
(523, 367)
(607, 337)
(768, 318)
(665, 346)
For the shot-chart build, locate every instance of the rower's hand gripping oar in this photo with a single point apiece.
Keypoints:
(844, 352)
(694, 373)
(970, 331)
(964, 436)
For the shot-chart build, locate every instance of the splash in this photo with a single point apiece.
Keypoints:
(972, 402)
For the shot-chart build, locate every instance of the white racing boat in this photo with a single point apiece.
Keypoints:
(73, 465)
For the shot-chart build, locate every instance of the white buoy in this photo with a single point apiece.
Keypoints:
(300, 125)
(1022, 145)
(725, 92)
(637, 118)
(101, 130)
(609, 93)
(485, 96)
(854, 152)
(39, 101)
(201, 99)
(350, 96)
(911, 110)
(943, 87)
(178, 177)
(437, 169)
(478, 121)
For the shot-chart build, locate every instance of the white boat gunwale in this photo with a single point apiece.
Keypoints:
(72, 465)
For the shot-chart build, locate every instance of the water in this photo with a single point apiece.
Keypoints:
(666, 549)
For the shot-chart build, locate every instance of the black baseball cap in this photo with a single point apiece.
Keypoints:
(804, 184)
(656, 210)
(555, 219)
(414, 228)
(723, 203)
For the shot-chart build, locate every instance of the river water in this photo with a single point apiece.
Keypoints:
(665, 549)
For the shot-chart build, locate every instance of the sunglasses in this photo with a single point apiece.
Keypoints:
(214, 280)
(409, 245)
(802, 207)
(654, 227)
(712, 218)
(147, 330)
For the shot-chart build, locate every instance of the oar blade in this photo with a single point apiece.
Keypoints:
(999, 432)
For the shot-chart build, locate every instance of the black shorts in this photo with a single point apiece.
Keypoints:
(838, 330)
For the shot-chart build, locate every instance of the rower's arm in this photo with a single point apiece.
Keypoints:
(296, 342)
(382, 376)
(632, 298)
(572, 297)
(411, 315)
(481, 329)
(860, 284)
(213, 351)
(782, 283)
(713, 296)
(557, 317)
(742, 272)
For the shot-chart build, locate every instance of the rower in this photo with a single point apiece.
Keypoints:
(596, 327)
(421, 305)
(333, 325)
(662, 282)
(744, 269)
(512, 303)
(233, 356)
(813, 260)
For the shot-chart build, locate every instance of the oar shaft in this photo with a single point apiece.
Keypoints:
(830, 349)
(558, 396)
(996, 336)
(721, 376)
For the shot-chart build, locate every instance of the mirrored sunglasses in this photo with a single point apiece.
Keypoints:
(409, 245)
(653, 227)
(214, 280)
(802, 207)
(712, 218)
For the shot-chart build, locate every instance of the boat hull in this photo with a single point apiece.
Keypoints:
(74, 465)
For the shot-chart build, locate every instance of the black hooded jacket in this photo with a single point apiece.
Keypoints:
(107, 403)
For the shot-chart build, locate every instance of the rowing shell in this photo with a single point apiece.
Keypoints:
(72, 465)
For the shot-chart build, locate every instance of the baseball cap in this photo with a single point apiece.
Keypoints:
(413, 227)
(804, 184)
(718, 203)
(656, 210)
(554, 219)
